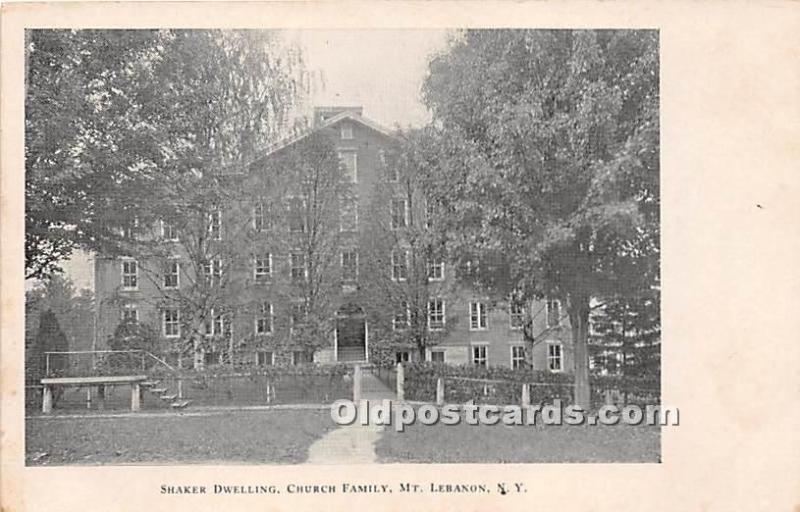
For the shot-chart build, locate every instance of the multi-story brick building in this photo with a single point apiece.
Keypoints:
(253, 278)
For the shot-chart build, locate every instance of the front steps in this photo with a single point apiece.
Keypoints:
(164, 395)
(347, 354)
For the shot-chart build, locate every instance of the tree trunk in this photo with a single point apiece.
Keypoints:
(579, 322)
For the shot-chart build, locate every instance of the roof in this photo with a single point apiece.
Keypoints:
(349, 115)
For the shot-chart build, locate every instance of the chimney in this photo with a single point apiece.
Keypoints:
(322, 114)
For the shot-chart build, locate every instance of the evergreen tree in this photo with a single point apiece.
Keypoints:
(51, 338)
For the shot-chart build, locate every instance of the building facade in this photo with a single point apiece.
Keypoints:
(244, 299)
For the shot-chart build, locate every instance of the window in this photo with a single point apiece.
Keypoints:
(399, 265)
(131, 228)
(430, 214)
(554, 357)
(215, 225)
(402, 357)
(212, 271)
(516, 313)
(261, 218)
(401, 318)
(349, 159)
(346, 131)
(297, 266)
(265, 358)
(553, 313)
(262, 268)
(436, 270)
(215, 324)
(219, 324)
(130, 313)
(349, 266)
(169, 232)
(130, 275)
(172, 271)
(477, 316)
(435, 314)
(297, 218)
(210, 357)
(517, 357)
(479, 355)
(297, 314)
(264, 318)
(437, 356)
(348, 214)
(171, 323)
(299, 357)
(399, 213)
(392, 175)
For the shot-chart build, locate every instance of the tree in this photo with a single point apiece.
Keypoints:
(626, 337)
(52, 339)
(403, 248)
(132, 336)
(186, 117)
(74, 312)
(112, 116)
(81, 136)
(549, 157)
(314, 191)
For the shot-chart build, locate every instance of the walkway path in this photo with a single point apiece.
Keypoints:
(353, 444)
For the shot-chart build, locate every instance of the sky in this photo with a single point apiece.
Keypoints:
(380, 70)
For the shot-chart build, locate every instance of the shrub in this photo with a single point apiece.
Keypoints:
(498, 385)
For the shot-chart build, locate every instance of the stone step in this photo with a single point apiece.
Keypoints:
(169, 398)
(150, 383)
(159, 391)
(180, 404)
(351, 354)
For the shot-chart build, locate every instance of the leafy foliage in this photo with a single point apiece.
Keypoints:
(419, 243)
(549, 157)
(113, 116)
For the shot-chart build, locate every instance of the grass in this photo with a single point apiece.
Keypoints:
(254, 437)
(465, 443)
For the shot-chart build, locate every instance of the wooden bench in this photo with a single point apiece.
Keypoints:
(134, 381)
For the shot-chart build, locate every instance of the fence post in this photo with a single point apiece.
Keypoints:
(401, 391)
(526, 395)
(136, 398)
(357, 383)
(439, 391)
(47, 399)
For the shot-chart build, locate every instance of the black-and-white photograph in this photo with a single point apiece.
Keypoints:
(342, 246)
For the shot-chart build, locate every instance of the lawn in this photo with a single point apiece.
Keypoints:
(464, 443)
(252, 437)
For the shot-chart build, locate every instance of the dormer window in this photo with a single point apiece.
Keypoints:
(346, 131)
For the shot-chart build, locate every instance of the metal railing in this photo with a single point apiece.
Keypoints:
(72, 362)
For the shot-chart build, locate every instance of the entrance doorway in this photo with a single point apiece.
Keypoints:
(351, 333)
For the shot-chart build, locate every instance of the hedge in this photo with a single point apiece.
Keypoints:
(502, 385)
(497, 385)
